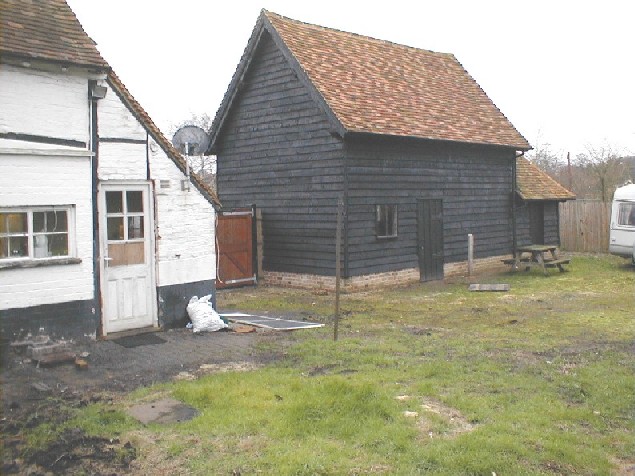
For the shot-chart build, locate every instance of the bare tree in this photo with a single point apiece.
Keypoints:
(551, 162)
(545, 158)
(201, 120)
(203, 165)
(600, 170)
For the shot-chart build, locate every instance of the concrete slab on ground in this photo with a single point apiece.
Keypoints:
(167, 410)
(269, 322)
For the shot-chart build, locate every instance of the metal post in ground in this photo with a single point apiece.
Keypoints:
(338, 267)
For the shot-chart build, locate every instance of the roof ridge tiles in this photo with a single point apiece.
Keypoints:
(358, 35)
(381, 87)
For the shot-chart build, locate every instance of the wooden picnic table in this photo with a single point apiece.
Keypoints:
(542, 256)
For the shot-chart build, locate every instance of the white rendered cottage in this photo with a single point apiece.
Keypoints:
(101, 230)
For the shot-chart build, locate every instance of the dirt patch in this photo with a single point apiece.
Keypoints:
(449, 422)
(33, 396)
(624, 468)
(74, 451)
(434, 419)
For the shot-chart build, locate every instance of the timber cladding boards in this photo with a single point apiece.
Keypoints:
(297, 129)
(277, 151)
(551, 222)
(473, 182)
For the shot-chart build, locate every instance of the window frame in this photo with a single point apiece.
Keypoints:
(382, 216)
(71, 251)
(625, 211)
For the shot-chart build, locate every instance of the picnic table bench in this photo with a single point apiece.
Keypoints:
(542, 256)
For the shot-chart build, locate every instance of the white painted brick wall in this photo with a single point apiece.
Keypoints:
(115, 120)
(186, 226)
(46, 104)
(185, 219)
(49, 180)
(119, 161)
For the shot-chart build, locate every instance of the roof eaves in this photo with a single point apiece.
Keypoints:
(526, 146)
(234, 85)
(363, 133)
(42, 59)
(337, 125)
(533, 184)
(144, 119)
(263, 24)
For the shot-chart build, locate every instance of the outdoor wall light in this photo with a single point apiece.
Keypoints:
(96, 91)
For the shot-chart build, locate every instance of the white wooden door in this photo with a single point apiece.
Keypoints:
(127, 257)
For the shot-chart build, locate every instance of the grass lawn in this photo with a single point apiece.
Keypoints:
(428, 379)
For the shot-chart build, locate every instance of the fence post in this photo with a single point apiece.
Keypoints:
(338, 265)
(470, 254)
(259, 242)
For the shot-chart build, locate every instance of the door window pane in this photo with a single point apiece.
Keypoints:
(114, 202)
(115, 228)
(135, 228)
(134, 201)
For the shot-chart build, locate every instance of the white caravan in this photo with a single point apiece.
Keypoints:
(622, 232)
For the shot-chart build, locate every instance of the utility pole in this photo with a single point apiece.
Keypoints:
(569, 175)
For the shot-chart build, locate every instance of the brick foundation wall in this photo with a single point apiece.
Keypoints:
(492, 263)
(375, 281)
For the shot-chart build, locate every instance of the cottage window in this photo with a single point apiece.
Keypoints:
(386, 221)
(35, 233)
(626, 214)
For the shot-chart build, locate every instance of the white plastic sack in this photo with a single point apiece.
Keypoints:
(203, 316)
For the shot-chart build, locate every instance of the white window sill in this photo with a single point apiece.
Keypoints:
(36, 263)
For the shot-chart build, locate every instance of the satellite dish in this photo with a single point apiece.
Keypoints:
(191, 140)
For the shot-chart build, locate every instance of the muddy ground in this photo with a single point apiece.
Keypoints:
(33, 395)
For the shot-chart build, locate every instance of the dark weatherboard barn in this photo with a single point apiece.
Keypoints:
(537, 218)
(418, 152)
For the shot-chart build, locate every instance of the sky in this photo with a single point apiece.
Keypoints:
(563, 72)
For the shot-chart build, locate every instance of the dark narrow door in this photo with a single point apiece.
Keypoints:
(234, 234)
(537, 223)
(430, 239)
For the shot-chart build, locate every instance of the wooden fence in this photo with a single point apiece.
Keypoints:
(584, 225)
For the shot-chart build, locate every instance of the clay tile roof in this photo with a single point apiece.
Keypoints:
(158, 136)
(534, 184)
(47, 30)
(378, 87)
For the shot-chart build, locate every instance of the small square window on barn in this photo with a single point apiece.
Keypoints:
(386, 221)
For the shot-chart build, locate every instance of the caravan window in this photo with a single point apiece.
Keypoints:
(626, 214)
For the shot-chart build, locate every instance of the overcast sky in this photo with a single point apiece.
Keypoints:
(561, 71)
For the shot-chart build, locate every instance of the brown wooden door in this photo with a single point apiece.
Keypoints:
(234, 235)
